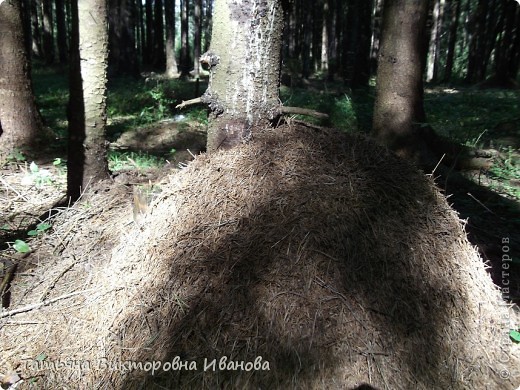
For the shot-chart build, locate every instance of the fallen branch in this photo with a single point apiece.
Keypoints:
(303, 111)
(188, 103)
(6, 282)
(35, 306)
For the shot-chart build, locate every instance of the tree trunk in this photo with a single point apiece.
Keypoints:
(207, 23)
(432, 67)
(514, 61)
(61, 32)
(196, 37)
(317, 30)
(398, 109)
(142, 30)
(37, 50)
(159, 54)
(359, 74)
(332, 48)
(20, 121)
(122, 54)
(306, 47)
(25, 6)
(48, 39)
(244, 61)
(479, 45)
(148, 53)
(504, 72)
(185, 46)
(325, 38)
(377, 16)
(171, 62)
(452, 39)
(87, 160)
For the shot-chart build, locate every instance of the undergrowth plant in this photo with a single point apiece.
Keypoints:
(118, 161)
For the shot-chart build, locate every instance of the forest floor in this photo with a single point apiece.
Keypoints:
(149, 138)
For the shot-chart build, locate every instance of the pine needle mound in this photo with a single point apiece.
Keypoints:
(305, 259)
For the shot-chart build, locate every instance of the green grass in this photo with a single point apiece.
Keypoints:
(130, 102)
(118, 161)
(342, 108)
(469, 115)
(52, 95)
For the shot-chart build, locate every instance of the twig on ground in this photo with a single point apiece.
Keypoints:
(35, 306)
(6, 282)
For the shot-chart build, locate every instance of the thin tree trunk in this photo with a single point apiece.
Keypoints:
(20, 122)
(361, 67)
(48, 39)
(185, 48)
(171, 62)
(207, 23)
(332, 48)
(317, 29)
(37, 50)
(452, 39)
(325, 38)
(148, 52)
(142, 29)
(25, 6)
(306, 50)
(514, 60)
(377, 16)
(478, 48)
(159, 54)
(435, 42)
(196, 37)
(61, 32)
(504, 51)
(122, 54)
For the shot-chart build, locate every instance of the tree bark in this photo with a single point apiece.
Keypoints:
(37, 49)
(197, 37)
(377, 16)
(185, 46)
(122, 54)
(244, 64)
(504, 52)
(207, 22)
(358, 52)
(148, 53)
(25, 6)
(171, 62)
(61, 32)
(432, 68)
(159, 54)
(452, 39)
(398, 110)
(141, 36)
(482, 26)
(20, 122)
(87, 160)
(48, 39)
(325, 38)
